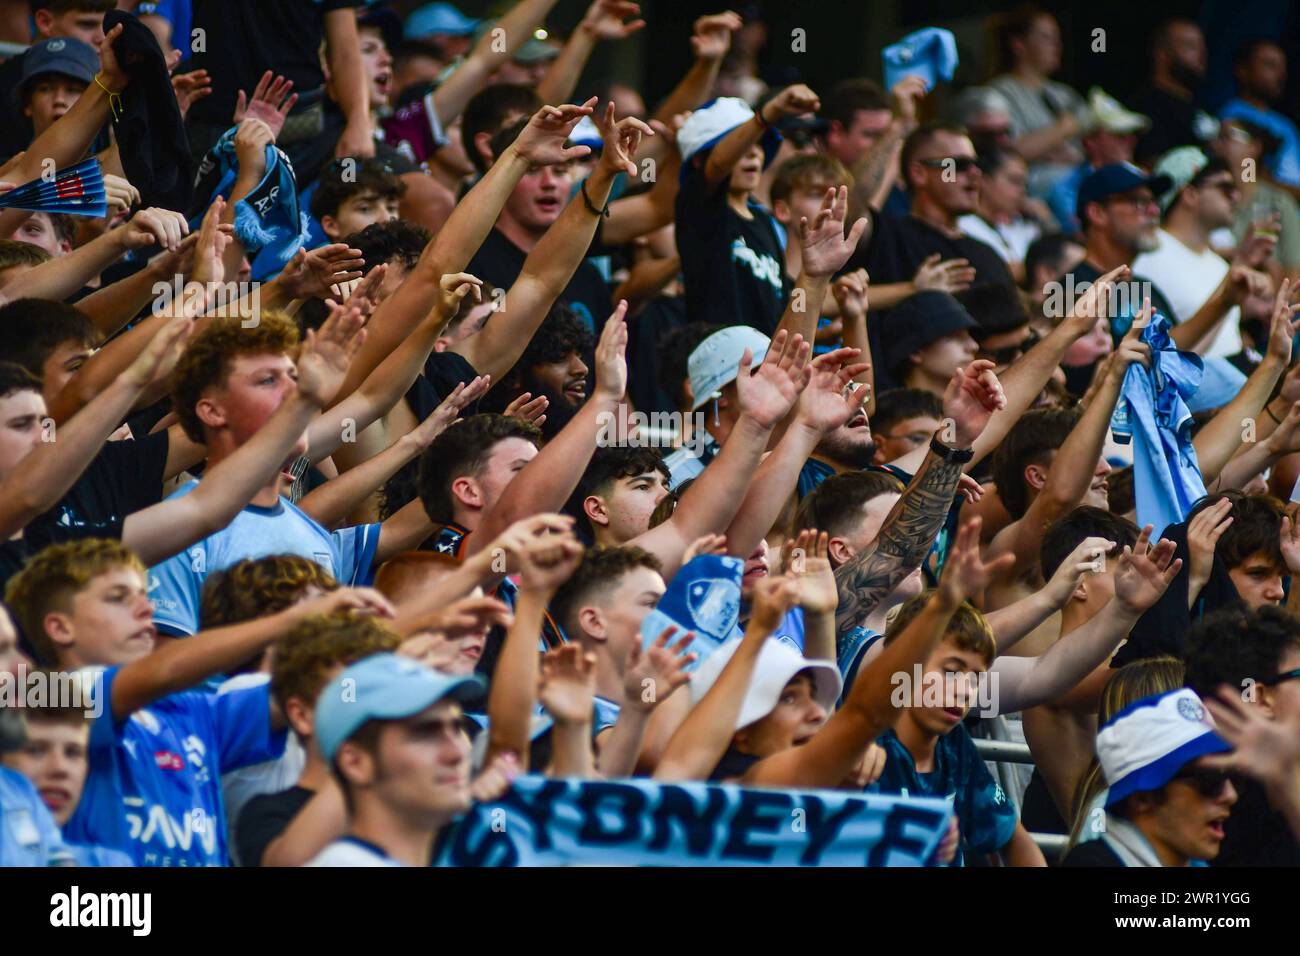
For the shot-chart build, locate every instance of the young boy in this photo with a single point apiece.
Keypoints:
(354, 194)
(930, 752)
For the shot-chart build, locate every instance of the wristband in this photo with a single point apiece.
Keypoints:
(953, 456)
(758, 115)
(1272, 416)
(590, 207)
(114, 99)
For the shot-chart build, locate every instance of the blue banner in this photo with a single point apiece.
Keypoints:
(546, 822)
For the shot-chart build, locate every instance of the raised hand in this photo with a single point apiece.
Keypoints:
(605, 19)
(970, 400)
(162, 353)
(207, 268)
(190, 88)
(251, 141)
(355, 600)
(949, 275)
(326, 353)
(548, 557)
(1203, 534)
(452, 289)
(1131, 347)
(650, 676)
(792, 101)
(567, 684)
(468, 616)
(622, 139)
(806, 559)
(773, 598)
(708, 544)
(611, 356)
(541, 142)
(271, 103)
(1144, 573)
(1283, 324)
(870, 766)
(532, 410)
(1258, 243)
(1290, 543)
(711, 38)
(119, 194)
(320, 273)
(824, 246)
(449, 410)
(829, 402)
(965, 573)
(1089, 555)
(906, 93)
(1265, 748)
(495, 779)
(1094, 303)
(768, 395)
(111, 73)
(851, 294)
(155, 226)
(1243, 282)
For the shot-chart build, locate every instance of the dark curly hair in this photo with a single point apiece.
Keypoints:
(1239, 647)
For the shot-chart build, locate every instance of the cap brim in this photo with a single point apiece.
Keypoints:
(1159, 772)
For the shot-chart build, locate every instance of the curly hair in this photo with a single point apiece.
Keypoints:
(561, 333)
(601, 568)
(462, 449)
(257, 586)
(210, 357)
(396, 239)
(1238, 646)
(53, 577)
(303, 661)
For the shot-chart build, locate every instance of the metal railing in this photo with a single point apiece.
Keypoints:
(1006, 751)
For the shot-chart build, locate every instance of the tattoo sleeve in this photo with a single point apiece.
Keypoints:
(904, 541)
(870, 174)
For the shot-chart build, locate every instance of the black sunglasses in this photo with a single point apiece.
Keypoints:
(1008, 354)
(1208, 783)
(1282, 678)
(961, 164)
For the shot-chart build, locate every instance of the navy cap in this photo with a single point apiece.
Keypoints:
(1115, 179)
(917, 321)
(64, 56)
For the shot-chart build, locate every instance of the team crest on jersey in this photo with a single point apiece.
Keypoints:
(714, 605)
(147, 720)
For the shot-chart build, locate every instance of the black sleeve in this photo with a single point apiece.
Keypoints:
(262, 820)
(1092, 853)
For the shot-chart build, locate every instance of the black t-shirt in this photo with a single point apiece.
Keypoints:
(1173, 123)
(442, 373)
(1086, 272)
(1255, 834)
(16, 130)
(1092, 853)
(245, 38)
(499, 261)
(126, 476)
(14, 553)
(264, 818)
(733, 267)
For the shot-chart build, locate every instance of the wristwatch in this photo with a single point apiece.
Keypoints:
(954, 456)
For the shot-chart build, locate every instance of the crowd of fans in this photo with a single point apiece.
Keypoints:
(422, 414)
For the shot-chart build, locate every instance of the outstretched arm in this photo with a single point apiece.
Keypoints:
(725, 156)
(604, 21)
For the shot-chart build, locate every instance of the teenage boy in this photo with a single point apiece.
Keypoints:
(1258, 653)
(55, 73)
(56, 759)
(354, 194)
(1165, 807)
(390, 731)
(159, 748)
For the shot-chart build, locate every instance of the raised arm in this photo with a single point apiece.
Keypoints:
(825, 250)
(179, 665)
(343, 50)
(1011, 623)
(723, 158)
(650, 677)
(495, 348)
(869, 710)
(604, 21)
(973, 395)
(875, 174)
(546, 482)
(568, 687)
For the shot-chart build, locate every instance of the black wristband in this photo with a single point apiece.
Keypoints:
(954, 456)
(1271, 415)
(590, 207)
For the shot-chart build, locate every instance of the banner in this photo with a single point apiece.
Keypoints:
(547, 822)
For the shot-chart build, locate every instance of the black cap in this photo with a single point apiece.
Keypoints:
(917, 321)
(1112, 180)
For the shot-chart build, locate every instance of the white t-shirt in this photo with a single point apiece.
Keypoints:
(1187, 279)
(1009, 240)
(349, 851)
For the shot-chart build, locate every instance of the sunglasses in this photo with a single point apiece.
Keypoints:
(1008, 354)
(1282, 678)
(1208, 783)
(962, 164)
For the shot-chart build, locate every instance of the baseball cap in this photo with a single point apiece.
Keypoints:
(703, 597)
(716, 361)
(388, 22)
(534, 50)
(382, 687)
(64, 56)
(1105, 112)
(1145, 745)
(1180, 166)
(917, 321)
(587, 133)
(714, 120)
(777, 663)
(1113, 179)
(439, 18)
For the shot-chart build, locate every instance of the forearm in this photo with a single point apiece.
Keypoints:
(1187, 335)
(804, 308)
(724, 157)
(321, 821)
(331, 503)
(59, 278)
(232, 257)
(350, 87)
(514, 682)
(571, 750)
(67, 140)
(1066, 662)
(819, 635)
(1220, 439)
(115, 305)
(1021, 850)
(855, 336)
(1011, 623)
(421, 612)
(889, 295)
(874, 176)
(178, 665)
(546, 482)
(405, 530)
(561, 77)
(46, 475)
(646, 281)
(618, 754)
(1075, 465)
(902, 545)
(772, 484)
